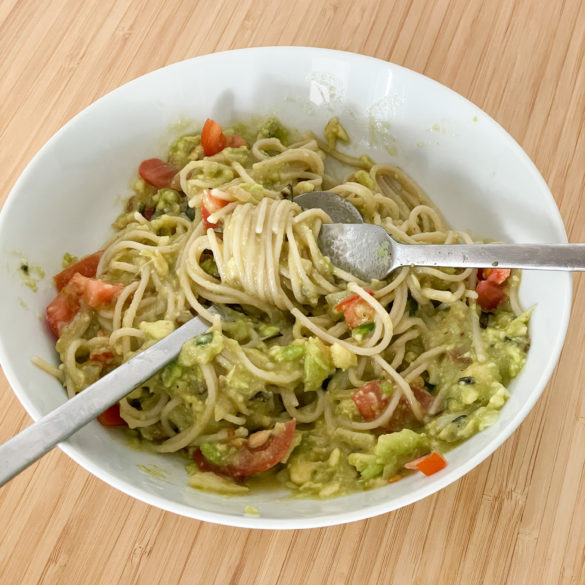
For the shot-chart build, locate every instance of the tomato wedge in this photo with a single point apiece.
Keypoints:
(489, 295)
(111, 417)
(248, 460)
(87, 266)
(213, 140)
(370, 400)
(209, 205)
(428, 464)
(356, 311)
(157, 172)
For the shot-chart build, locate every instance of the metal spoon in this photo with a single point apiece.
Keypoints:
(369, 252)
(36, 440)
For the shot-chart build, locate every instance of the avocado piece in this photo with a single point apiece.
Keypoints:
(391, 452)
(201, 350)
(318, 365)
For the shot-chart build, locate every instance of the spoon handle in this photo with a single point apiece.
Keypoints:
(529, 256)
(32, 443)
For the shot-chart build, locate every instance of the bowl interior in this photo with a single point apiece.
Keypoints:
(73, 189)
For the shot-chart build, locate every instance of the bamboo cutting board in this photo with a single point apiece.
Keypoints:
(519, 518)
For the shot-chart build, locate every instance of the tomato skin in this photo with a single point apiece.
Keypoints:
(157, 172)
(212, 138)
(209, 205)
(61, 311)
(495, 275)
(356, 311)
(489, 295)
(87, 266)
(370, 400)
(111, 417)
(428, 464)
(248, 460)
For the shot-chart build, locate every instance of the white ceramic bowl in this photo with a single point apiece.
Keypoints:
(72, 190)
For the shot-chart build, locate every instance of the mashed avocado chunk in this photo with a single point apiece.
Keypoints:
(201, 349)
(318, 364)
(390, 454)
(273, 128)
(472, 391)
(183, 150)
(319, 466)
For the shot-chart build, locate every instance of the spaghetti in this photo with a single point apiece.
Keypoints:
(329, 383)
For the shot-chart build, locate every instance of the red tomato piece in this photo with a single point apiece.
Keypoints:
(235, 141)
(103, 357)
(356, 311)
(98, 293)
(66, 304)
(87, 266)
(495, 275)
(371, 403)
(111, 417)
(247, 460)
(428, 464)
(424, 398)
(489, 295)
(156, 172)
(61, 310)
(212, 138)
(209, 205)
(351, 299)
(370, 400)
(148, 213)
(401, 418)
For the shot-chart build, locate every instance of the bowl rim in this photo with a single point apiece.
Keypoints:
(248, 521)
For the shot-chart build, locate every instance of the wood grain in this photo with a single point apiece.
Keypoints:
(518, 518)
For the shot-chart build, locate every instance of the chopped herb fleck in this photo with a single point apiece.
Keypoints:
(203, 339)
(361, 331)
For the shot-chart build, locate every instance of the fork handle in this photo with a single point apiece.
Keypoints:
(528, 256)
(39, 438)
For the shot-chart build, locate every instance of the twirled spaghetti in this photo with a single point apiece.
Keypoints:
(307, 373)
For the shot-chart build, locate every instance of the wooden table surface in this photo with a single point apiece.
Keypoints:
(519, 518)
